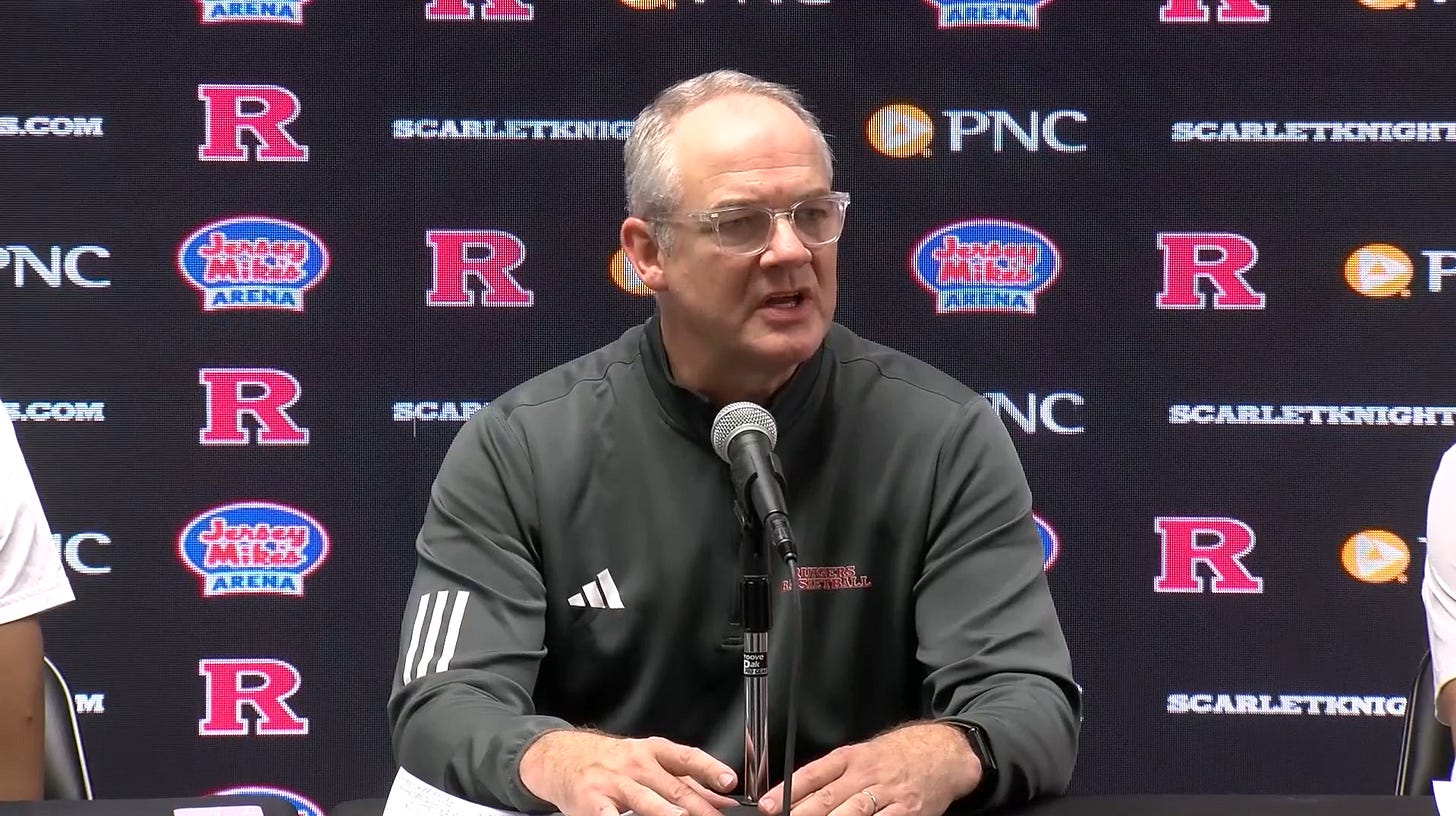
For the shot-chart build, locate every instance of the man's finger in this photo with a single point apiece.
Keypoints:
(807, 780)
(828, 798)
(595, 804)
(858, 803)
(678, 791)
(646, 801)
(685, 760)
(713, 798)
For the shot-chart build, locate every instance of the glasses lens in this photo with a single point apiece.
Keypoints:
(818, 220)
(743, 228)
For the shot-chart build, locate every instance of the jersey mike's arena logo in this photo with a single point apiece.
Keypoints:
(255, 11)
(252, 262)
(985, 265)
(253, 548)
(304, 806)
(1051, 546)
(967, 13)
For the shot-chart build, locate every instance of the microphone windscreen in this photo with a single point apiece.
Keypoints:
(737, 417)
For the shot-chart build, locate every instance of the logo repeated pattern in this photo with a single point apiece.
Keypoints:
(1142, 280)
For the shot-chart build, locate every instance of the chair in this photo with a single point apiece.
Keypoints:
(66, 777)
(1425, 748)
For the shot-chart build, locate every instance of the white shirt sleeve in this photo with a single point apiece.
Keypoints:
(32, 578)
(1438, 589)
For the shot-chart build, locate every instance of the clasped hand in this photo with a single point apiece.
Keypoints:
(916, 770)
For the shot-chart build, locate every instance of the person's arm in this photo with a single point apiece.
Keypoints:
(474, 626)
(991, 647)
(1446, 706)
(22, 711)
(32, 580)
(989, 636)
(472, 640)
(1437, 587)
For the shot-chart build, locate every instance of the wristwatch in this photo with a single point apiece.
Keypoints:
(981, 747)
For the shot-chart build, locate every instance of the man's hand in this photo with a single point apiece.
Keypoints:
(917, 770)
(585, 773)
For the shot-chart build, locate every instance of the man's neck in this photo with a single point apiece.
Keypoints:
(715, 377)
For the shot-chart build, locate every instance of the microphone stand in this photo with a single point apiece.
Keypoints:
(756, 599)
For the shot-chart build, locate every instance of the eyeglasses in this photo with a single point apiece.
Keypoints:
(747, 229)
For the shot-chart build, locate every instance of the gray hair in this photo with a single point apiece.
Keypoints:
(653, 181)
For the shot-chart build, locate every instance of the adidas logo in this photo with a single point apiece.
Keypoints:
(599, 594)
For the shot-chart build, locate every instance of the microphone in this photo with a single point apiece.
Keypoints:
(744, 435)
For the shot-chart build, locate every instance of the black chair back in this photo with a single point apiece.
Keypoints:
(65, 761)
(1426, 752)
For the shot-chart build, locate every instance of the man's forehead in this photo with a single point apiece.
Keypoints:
(737, 147)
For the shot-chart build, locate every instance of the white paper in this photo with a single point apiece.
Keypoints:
(221, 810)
(409, 796)
(1445, 797)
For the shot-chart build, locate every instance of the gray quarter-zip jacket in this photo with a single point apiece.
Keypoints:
(578, 566)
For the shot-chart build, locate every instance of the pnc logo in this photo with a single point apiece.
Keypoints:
(1376, 557)
(1380, 271)
(900, 130)
(624, 275)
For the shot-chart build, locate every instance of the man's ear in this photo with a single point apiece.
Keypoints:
(644, 252)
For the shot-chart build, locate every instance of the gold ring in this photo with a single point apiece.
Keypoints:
(873, 800)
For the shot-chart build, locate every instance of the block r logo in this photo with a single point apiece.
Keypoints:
(1185, 263)
(489, 10)
(264, 394)
(1182, 553)
(269, 684)
(1229, 11)
(453, 265)
(270, 108)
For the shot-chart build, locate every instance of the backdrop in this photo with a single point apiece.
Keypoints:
(260, 260)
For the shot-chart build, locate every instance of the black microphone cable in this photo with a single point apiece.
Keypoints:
(794, 648)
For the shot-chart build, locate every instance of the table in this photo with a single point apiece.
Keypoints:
(1151, 805)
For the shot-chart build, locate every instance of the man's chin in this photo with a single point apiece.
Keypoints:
(785, 349)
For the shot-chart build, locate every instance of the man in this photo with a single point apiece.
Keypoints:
(568, 642)
(32, 580)
(1438, 590)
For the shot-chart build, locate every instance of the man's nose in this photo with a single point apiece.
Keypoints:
(785, 245)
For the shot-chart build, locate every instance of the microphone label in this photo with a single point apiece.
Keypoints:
(755, 664)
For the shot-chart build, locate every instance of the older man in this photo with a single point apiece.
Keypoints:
(939, 672)
(32, 580)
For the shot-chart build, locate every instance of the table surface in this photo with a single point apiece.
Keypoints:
(1149, 805)
(1230, 805)
(267, 805)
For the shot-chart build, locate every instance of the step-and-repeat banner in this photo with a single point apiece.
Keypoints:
(260, 260)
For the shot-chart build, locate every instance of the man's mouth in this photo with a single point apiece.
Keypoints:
(783, 300)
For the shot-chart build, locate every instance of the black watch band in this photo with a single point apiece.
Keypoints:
(981, 747)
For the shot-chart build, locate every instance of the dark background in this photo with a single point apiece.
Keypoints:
(367, 339)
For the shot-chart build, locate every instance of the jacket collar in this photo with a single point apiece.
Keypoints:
(691, 414)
